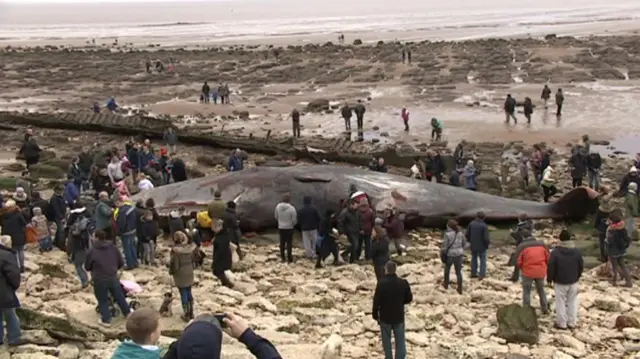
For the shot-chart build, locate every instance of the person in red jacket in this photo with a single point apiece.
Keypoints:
(533, 257)
(405, 118)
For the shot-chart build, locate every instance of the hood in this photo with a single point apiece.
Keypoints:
(230, 210)
(564, 247)
(617, 226)
(469, 169)
(184, 248)
(200, 340)
(306, 200)
(100, 245)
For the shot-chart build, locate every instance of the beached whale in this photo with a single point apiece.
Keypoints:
(258, 190)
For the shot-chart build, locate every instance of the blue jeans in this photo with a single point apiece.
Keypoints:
(398, 336)
(482, 256)
(165, 177)
(13, 325)
(102, 289)
(20, 256)
(129, 249)
(594, 179)
(185, 295)
(82, 274)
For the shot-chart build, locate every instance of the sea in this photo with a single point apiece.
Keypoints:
(191, 22)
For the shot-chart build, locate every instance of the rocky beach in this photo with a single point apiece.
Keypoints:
(297, 307)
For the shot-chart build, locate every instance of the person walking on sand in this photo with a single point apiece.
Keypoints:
(546, 94)
(559, 102)
(563, 272)
(346, 115)
(360, 110)
(436, 130)
(528, 108)
(404, 55)
(295, 121)
(510, 109)
(205, 92)
(405, 118)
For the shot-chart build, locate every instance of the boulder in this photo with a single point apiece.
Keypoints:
(58, 328)
(625, 321)
(518, 324)
(318, 105)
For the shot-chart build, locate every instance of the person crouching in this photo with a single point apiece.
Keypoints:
(326, 242)
(181, 267)
(380, 249)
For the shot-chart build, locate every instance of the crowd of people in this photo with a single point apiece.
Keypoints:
(510, 105)
(208, 95)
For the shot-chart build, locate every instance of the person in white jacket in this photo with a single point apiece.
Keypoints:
(287, 218)
(548, 183)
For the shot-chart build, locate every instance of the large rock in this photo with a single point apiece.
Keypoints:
(318, 105)
(58, 328)
(518, 324)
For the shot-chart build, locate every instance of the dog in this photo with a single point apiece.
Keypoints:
(332, 347)
(198, 257)
(165, 307)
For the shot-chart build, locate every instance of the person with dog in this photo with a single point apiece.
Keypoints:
(104, 261)
(181, 267)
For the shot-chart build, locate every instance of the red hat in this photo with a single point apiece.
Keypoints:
(358, 196)
(163, 151)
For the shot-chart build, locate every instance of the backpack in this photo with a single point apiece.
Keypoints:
(79, 227)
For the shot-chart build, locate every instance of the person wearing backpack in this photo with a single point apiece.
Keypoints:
(80, 232)
(618, 241)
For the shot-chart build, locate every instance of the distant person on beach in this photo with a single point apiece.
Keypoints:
(96, 107)
(405, 118)
(221, 93)
(295, 120)
(559, 102)
(159, 66)
(205, 92)
(147, 64)
(528, 108)
(546, 94)
(346, 115)
(510, 109)
(404, 55)
(409, 56)
(112, 105)
(227, 93)
(436, 129)
(360, 110)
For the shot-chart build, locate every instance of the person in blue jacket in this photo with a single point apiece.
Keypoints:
(235, 162)
(112, 105)
(126, 226)
(134, 157)
(202, 339)
(146, 157)
(71, 191)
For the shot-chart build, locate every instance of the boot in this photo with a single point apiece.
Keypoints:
(185, 312)
(190, 314)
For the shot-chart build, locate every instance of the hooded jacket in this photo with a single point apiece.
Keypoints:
(286, 215)
(617, 240)
(391, 295)
(469, 175)
(230, 225)
(126, 219)
(9, 278)
(181, 265)
(103, 214)
(346, 112)
(380, 248)
(71, 193)
(533, 257)
(349, 222)
(131, 350)
(178, 170)
(103, 261)
(367, 219)
(149, 231)
(453, 243)
(13, 223)
(308, 216)
(565, 264)
(521, 229)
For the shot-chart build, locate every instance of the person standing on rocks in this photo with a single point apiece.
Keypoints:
(395, 229)
(630, 177)
(392, 294)
(235, 162)
(13, 225)
(533, 257)
(360, 110)
(631, 201)
(80, 231)
(478, 237)
(528, 109)
(295, 121)
(452, 253)
(559, 102)
(221, 93)
(58, 213)
(367, 221)
(524, 172)
(181, 267)
(230, 223)
(346, 115)
(618, 241)
(469, 174)
(546, 94)
(523, 228)
(548, 183)
(309, 221)
(349, 225)
(178, 169)
(9, 284)
(605, 208)
(404, 114)
(409, 56)
(326, 243)
(205, 92)
(578, 168)
(510, 109)
(563, 272)
(287, 218)
(436, 129)
(31, 151)
(103, 215)
(222, 259)
(170, 138)
(404, 55)
(594, 163)
(104, 261)
(380, 249)
(126, 226)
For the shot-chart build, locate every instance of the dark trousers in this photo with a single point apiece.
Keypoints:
(548, 192)
(296, 129)
(528, 117)
(439, 177)
(379, 270)
(286, 242)
(576, 182)
(559, 109)
(347, 124)
(222, 99)
(223, 278)
(509, 116)
(102, 289)
(360, 120)
(456, 262)
(406, 125)
(436, 134)
(206, 97)
(329, 246)
(366, 240)
(526, 181)
(618, 266)
(236, 241)
(396, 243)
(602, 245)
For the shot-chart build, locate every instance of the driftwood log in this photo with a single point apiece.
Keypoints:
(316, 150)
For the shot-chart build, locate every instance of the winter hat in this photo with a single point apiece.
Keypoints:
(633, 169)
(10, 204)
(37, 211)
(379, 221)
(163, 151)
(358, 196)
(174, 214)
(565, 235)
(202, 339)
(217, 194)
(20, 195)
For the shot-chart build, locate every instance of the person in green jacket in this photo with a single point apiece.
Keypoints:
(631, 199)
(143, 327)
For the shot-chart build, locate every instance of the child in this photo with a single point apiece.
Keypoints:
(150, 232)
(143, 327)
(39, 224)
(181, 267)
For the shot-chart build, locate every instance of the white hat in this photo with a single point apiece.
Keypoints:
(633, 169)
